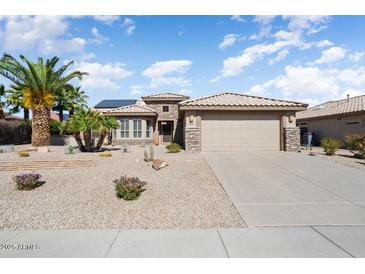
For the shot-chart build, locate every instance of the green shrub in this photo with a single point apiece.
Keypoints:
(55, 127)
(105, 154)
(356, 143)
(23, 153)
(330, 145)
(173, 148)
(129, 188)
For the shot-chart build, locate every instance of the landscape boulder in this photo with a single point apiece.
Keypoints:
(158, 164)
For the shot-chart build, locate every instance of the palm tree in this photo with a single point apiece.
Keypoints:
(2, 102)
(69, 98)
(39, 83)
(84, 121)
(16, 100)
(106, 124)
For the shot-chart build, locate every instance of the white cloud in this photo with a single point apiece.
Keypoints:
(168, 73)
(310, 23)
(98, 38)
(44, 34)
(264, 22)
(279, 57)
(137, 89)
(324, 43)
(129, 26)
(234, 66)
(330, 55)
(106, 19)
(238, 18)
(102, 75)
(228, 41)
(313, 82)
(356, 56)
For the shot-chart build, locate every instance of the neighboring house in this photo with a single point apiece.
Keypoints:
(224, 121)
(333, 119)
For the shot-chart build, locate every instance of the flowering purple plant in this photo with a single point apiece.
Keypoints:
(27, 181)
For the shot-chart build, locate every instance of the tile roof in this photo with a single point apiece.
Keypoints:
(229, 99)
(354, 104)
(115, 103)
(132, 109)
(165, 96)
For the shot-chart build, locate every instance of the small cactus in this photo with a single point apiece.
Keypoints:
(146, 156)
(152, 153)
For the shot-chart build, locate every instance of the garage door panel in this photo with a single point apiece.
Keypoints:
(240, 132)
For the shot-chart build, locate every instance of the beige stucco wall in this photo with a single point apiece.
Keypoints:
(333, 127)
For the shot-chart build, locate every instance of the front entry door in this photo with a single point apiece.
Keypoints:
(166, 132)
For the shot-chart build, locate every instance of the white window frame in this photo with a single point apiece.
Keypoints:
(124, 128)
(137, 128)
(148, 128)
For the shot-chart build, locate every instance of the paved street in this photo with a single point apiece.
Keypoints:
(317, 241)
(290, 189)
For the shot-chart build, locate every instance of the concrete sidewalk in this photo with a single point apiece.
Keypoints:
(309, 241)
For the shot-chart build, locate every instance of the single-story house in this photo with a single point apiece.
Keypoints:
(333, 119)
(224, 121)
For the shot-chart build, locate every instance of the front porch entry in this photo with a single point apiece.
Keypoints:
(165, 131)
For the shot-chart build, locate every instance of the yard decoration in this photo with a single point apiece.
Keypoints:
(158, 164)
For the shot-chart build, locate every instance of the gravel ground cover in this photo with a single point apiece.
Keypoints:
(186, 194)
(342, 156)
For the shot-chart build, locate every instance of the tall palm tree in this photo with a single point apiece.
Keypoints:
(76, 99)
(2, 101)
(69, 98)
(39, 83)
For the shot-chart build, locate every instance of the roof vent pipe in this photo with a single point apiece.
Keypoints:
(348, 98)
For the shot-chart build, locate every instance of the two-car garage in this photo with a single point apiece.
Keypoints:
(234, 121)
(240, 131)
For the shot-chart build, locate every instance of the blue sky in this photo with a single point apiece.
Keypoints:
(303, 58)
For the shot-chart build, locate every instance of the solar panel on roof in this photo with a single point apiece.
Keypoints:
(115, 103)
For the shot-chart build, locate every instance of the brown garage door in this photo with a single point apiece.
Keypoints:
(240, 131)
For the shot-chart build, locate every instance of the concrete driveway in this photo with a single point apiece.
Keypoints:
(290, 189)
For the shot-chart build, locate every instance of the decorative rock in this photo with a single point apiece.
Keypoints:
(43, 149)
(158, 164)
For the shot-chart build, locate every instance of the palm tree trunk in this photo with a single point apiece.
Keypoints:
(87, 140)
(77, 137)
(60, 113)
(26, 114)
(102, 136)
(2, 114)
(40, 126)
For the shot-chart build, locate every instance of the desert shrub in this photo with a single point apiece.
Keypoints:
(55, 127)
(105, 154)
(330, 145)
(173, 148)
(27, 181)
(23, 153)
(356, 143)
(128, 188)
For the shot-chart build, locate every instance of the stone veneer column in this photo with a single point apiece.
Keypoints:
(192, 139)
(291, 138)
